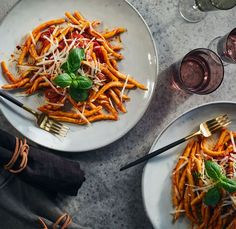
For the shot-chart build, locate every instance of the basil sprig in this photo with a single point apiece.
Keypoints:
(74, 60)
(213, 195)
(78, 84)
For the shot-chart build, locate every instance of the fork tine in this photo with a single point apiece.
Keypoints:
(219, 127)
(227, 123)
(52, 131)
(59, 125)
(216, 119)
(220, 120)
(55, 130)
(226, 119)
(216, 125)
(223, 123)
(59, 129)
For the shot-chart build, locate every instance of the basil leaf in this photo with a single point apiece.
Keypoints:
(228, 184)
(84, 82)
(73, 76)
(75, 57)
(63, 80)
(78, 95)
(66, 67)
(212, 197)
(213, 170)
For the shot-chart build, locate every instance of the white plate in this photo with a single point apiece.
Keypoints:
(140, 61)
(156, 182)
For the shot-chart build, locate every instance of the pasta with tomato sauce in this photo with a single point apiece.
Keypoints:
(76, 66)
(204, 183)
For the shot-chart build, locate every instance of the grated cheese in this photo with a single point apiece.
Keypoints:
(50, 40)
(123, 89)
(32, 38)
(83, 117)
(35, 75)
(56, 104)
(111, 103)
(177, 211)
(82, 30)
(88, 45)
(185, 163)
(53, 87)
(84, 107)
(227, 214)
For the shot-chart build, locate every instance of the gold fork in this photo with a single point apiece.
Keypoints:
(206, 129)
(43, 121)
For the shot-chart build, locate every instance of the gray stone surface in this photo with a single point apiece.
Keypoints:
(110, 199)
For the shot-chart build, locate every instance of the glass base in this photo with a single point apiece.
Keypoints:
(190, 12)
(214, 47)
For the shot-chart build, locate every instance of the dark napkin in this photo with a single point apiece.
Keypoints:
(44, 170)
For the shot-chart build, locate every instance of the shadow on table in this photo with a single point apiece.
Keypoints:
(166, 98)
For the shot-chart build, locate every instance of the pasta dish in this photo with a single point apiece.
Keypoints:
(76, 67)
(204, 182)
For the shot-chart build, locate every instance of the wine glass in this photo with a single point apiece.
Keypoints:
(196, 10)
(225, 47)
(201, 71)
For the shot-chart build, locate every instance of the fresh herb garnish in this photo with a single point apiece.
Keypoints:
(75, 58)
(78, 84)
(63, 80)
(213, 195)
(213, 170)
(228, 184)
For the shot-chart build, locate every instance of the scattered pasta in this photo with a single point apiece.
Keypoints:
(204, 183)
(76, 67)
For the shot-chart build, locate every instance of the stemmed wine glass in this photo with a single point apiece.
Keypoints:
(225, 47)
(196, 10)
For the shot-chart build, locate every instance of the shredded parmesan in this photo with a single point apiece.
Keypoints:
(50, 40)
(84, 107)
(123, 89)
(83, 117)
(177, 211)
(55, 30)
(53, 87)
(32, 38)
(111, 102)
(227, 214)
(35, 75)
(82, 30)
(56, 104)
(185, 163)
(27, 67)
(88, 45)
(205, 188)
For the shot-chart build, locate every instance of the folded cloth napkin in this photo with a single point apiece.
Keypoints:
(23, 206)
(44, 170)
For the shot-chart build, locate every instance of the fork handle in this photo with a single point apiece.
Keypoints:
(11, 99)
(154, 153)
(16, 102)
(160, 151)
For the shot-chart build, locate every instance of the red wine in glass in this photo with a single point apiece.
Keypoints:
(201, 72)
(226, 47)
